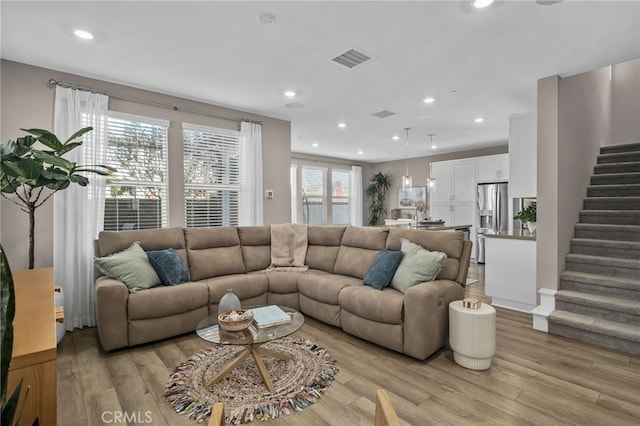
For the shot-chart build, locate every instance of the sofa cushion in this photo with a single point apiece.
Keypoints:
(323, 245)
(360, 247)
(323, 286)
(131, 266)
(164, 301)
(245, 286)
(366, 302)
(283, 282)
(380, 274)
(255, 242)
(418, 265)
(213, 252)
(169, 266)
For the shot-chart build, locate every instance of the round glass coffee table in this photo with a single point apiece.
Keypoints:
(252, 339)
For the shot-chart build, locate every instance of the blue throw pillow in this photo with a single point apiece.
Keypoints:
(169, 266)
(381, 272)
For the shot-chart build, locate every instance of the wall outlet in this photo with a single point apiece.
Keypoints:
(268, 194)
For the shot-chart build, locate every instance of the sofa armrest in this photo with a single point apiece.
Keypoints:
(426, 316)
(111, 313)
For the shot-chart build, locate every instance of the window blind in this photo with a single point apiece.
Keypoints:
(211, 176)
(136, 196)
(340, 197)
(313, 195)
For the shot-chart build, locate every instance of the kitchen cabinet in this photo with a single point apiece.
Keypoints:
(456, 214)
(455, 181)
(493, 168)
(523, 145)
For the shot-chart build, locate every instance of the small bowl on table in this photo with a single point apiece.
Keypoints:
(236, 320)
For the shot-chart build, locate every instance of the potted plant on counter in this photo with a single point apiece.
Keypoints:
(27, 170)
(528, 216)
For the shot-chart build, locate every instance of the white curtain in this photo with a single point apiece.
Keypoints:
(355, 201)
(250, 202)
(293, 179)
(79, 211)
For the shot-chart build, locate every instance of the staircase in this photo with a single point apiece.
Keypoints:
(599, 297)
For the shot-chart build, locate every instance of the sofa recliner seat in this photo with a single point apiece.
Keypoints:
(331, 290)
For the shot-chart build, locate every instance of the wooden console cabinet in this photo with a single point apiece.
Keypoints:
(34, 345)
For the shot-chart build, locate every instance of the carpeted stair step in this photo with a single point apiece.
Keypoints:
(597, 331)
(620, 190)
(612, 203)
(613, 266)
(615, 178)
(629, 147)
(597, 306)
(604, 285)
(606, 248)
(619, 157)
(600, 231)
(628, 167)
(611, 217)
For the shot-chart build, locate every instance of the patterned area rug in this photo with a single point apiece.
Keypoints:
(299, 382)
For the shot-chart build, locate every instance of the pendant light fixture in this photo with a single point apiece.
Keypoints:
(406, 179)
(431, 181)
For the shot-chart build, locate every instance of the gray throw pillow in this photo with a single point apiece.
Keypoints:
(130, 266)
(381, 271)
(169, 266)
(418, 265)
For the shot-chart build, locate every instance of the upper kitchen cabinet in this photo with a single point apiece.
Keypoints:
(455, 181)
(493, 168)
(523, 144)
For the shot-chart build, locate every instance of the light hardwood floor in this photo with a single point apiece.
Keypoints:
(535, 379)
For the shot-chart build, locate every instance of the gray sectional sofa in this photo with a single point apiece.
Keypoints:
(331, 290)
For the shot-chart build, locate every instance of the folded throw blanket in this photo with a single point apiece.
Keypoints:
(288, 245)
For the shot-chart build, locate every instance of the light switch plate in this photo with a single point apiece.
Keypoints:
(268, 194)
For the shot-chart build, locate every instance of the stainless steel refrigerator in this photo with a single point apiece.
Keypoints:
(492, 212)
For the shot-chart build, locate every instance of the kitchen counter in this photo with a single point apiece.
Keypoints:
(510, 270)
(521, 234)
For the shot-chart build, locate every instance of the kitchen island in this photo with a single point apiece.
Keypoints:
(510, 269)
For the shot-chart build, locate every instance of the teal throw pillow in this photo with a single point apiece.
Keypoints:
(169, 266)
(418, 265)
(382, 270)
(130, 266)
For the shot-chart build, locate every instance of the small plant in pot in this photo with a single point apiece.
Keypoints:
(33, 169)
(528, 216)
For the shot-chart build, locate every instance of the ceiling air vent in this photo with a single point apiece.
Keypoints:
(351, 58)
(383, 114)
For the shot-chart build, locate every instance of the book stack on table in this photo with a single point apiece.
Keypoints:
(269, 316)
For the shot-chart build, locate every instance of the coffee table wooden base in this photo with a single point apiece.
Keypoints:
(254, 350)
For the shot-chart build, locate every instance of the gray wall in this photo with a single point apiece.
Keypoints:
(576, 116)
(27, 102)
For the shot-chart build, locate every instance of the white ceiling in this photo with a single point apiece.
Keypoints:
(219, 53)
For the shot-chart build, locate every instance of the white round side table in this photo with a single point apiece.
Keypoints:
(472, 335)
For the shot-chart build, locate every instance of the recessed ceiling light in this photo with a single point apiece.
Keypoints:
(342, 125)
(428, 100)
(479, 120)
(434, 146)
(289, 93)
(83, 34)
(267, 18)
(395, 138)
(294, 105)
(360, 152)
(480, 4)
(315, 144)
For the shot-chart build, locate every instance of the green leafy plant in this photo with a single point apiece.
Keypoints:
(377, 192)
(528, 214)
(27, 170)
(8, 308)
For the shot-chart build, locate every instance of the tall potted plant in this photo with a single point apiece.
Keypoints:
(27, 170)
(377, 192)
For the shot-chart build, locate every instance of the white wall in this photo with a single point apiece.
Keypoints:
(27, 102)
(625, 125)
